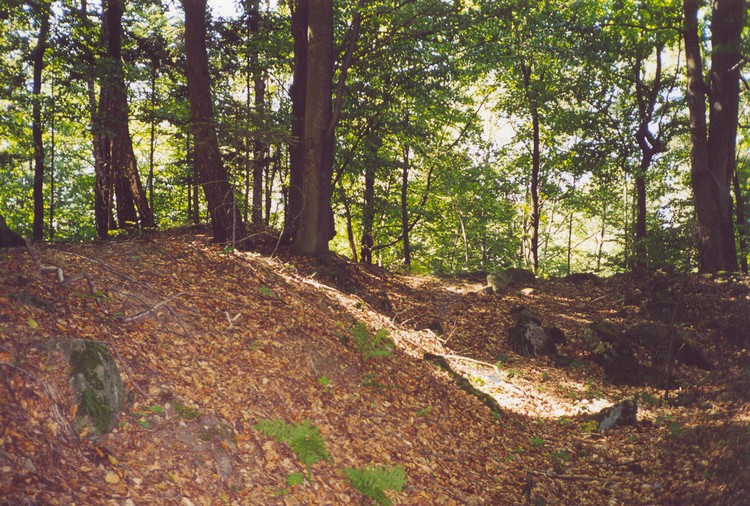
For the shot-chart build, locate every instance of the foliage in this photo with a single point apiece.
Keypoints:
(373, 481)
(371, 345)
(183, 411)
(304, 439)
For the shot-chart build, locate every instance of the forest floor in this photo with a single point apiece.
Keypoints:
(210, 343)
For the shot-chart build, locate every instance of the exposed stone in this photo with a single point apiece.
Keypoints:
(498, 281)
(613, 352)
(529, 338)
(622, 413)
(9, 238)
(736, 329)
(96, 383)
(655, 338)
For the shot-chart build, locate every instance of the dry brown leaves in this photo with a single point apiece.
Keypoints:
(233, 338)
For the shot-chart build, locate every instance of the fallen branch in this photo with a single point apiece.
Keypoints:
(463, 383)
(567, 477)
(154, 308)
(502, 383)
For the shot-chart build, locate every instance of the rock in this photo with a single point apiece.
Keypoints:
(96, 383)
(582, 277)
(613, 352)
(529, 338)
(736, 329)
(655, 338)
(9, 238)
(436, 327)
(622, 413)
(520, 276)
(499, 282)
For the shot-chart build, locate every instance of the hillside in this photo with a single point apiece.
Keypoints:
(210, 343)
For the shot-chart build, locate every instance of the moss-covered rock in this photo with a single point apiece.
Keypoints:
(96, 383)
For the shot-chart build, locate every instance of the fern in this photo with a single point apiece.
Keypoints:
(373, 481)
(304, 439)
(369, 345)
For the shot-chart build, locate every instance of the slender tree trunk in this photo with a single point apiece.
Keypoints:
(152, 136)
(296, 200)
(226, 219)
(316, 219)
(259, 87)
(570, 241)
(52, 166)
(639, 260)
(741, 220)
(37, 57)
(600, 243)
(374, 141)
(535, 207)
(650, 146)
(713, 147)
(405, 209)
(368, 216)
(532, 101)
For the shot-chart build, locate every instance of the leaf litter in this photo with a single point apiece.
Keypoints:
(210, 343)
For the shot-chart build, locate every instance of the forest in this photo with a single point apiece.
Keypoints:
(426, 136)
(428, 252)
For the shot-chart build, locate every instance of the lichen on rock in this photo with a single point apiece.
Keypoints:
(96, 383)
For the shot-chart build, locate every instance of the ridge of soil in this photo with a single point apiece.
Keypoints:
(211, 342)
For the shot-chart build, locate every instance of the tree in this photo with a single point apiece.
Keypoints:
(316, 226)
(713, 142)
(123, 169)
(226, 220)
(297, 92)
(37, 57)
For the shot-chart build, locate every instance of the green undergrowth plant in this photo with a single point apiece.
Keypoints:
(373, 481)
(304, 439)
(184, 412)
(371, 345)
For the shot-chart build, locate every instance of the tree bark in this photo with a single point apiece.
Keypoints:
(226, 220)
(741, 220)
(405, 208)
(128, 187)
(316, 218)
(713, 147)
(259, 88)
(532, 99)
(300, 20)
(37, 58)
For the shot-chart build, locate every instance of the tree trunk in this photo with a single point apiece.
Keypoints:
(130, 193)
(259, 87)
(368, 215)
(300, 20)
(650, 146)
(405, 209)
(226, 220)
(37, 58)
(741, 221)
(535, 207)
(713, 147)
(316, 218)
(532, 100)
(639, 260)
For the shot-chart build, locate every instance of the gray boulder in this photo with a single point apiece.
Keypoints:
(528, 338)
(622, 413)
(96, 383)
(610, 349)
(655, 338)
